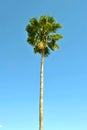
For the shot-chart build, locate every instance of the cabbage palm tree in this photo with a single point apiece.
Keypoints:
(42, 36)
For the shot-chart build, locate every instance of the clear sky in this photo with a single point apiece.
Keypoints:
(65, 87)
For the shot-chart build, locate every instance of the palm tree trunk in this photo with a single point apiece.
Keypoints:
(41, 93)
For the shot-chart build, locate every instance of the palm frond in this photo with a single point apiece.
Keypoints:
(53, 45)
(46, 52)
(56, 47)
(41, 34)
(34, 22)
(55, 36)
(51, 20)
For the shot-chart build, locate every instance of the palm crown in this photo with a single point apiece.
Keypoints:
(41, 34)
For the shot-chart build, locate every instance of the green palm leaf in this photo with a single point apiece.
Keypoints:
(41, 34)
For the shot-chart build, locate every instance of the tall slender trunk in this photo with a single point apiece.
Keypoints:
(41, 93)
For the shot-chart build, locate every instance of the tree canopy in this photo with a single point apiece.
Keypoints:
(42, 34)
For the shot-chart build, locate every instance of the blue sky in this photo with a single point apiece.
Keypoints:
(65, 87)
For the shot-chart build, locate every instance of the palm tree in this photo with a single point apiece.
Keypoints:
(41, 35)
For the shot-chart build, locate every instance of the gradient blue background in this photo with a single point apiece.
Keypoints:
(65, 87)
